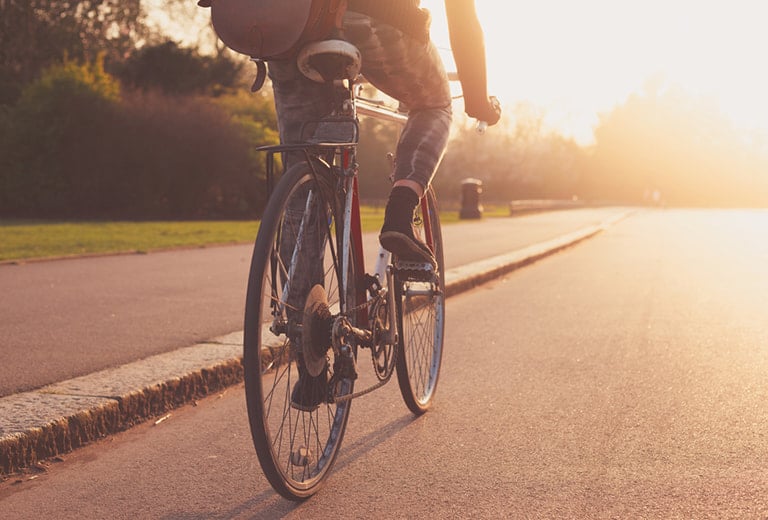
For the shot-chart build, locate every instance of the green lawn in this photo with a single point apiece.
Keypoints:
(31, 239)
(23, 239)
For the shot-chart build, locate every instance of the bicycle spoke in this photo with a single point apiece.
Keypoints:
(421, 338)
(421, 317)
(295, 250)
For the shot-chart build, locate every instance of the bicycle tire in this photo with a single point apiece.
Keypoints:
(296, 449)
(421, 318)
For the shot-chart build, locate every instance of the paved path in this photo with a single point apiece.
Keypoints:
(111, 336)
(67, 318)
(627, 382)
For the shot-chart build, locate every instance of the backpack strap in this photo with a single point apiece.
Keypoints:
(405, 15)
(261, 75)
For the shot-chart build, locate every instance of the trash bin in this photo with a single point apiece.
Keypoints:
(470, 199)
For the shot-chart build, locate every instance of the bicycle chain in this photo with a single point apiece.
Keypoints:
(404, 266)
(376, 386)
(349, 397)
(413, 267)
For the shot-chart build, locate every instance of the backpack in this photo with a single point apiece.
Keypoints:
(273, 29)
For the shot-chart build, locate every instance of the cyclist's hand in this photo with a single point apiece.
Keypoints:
(487, 112)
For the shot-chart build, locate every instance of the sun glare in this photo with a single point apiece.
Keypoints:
(578, 59)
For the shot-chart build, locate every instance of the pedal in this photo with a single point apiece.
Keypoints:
(417, 271)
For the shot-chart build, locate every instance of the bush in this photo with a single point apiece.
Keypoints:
(255, 118)
(56, 120)
(182, 157)
(74, 147)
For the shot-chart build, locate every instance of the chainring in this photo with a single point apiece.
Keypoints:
(382, 352)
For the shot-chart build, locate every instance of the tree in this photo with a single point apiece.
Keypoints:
(175, 70)
(513, 162)
(37, 33)
(183, 19)
(666, 140)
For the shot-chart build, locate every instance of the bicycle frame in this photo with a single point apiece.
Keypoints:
(295, 295)
(342, 156)
(347, 152)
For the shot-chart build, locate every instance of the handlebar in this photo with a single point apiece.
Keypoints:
(482, 126)
(376, 109)
(369, 108)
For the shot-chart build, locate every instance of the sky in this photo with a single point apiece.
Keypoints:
(575, 59)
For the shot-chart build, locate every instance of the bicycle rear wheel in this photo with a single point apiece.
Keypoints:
(297, 247)
(420, 309)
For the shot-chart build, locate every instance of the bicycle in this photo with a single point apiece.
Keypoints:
(311, 308)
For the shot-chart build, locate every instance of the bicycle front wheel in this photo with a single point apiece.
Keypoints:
(420, 306)
(298, 247)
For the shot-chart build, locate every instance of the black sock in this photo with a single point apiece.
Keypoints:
(398, 215)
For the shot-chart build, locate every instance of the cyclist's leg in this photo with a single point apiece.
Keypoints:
(308, 219)
(411, 72)
(298, 100)
(296, 441)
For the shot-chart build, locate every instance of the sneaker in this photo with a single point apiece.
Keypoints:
(397, 234)
(309, 392)
(406, 247)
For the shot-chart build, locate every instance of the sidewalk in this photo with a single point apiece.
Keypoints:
(59, 417)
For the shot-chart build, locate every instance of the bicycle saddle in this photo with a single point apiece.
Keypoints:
(329, 60)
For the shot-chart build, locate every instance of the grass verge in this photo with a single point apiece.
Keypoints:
(20, 240)
(24, 239)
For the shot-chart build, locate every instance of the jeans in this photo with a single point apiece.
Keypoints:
(398, 65)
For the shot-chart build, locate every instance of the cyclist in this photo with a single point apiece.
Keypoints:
(399, 59)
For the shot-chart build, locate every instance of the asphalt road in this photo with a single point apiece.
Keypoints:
(622, 378)
(68, 318)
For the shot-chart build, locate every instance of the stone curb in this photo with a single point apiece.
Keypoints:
(59, 418)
